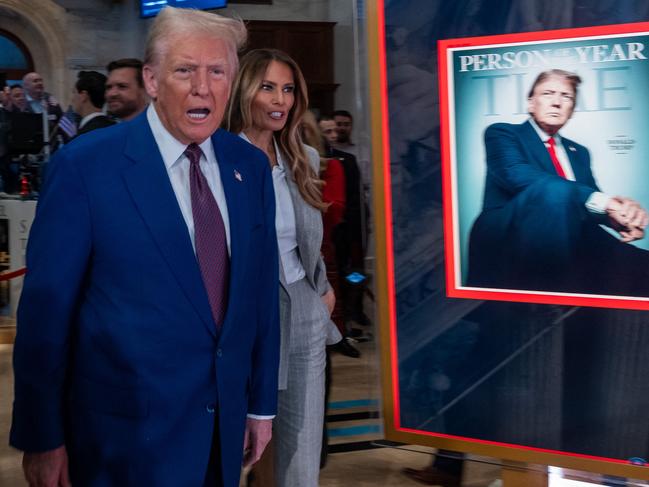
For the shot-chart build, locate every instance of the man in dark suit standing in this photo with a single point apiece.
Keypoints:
(540, 224)
(88, 100)
(147, 340)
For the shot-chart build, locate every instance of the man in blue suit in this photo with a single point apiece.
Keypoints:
(540, 224)
(147, 340)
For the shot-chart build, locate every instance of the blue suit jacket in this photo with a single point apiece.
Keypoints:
(117, 355)
(517, 158)
(521, 180)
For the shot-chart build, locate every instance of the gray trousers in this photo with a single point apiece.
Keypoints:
(297, 428)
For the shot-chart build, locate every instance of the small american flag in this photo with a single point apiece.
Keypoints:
(67, 123)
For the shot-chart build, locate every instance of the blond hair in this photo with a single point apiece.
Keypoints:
(310, 132)
(239, 117)
(173, 22)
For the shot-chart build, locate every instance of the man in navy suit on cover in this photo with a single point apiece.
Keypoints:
(147, 340)
(540, 224)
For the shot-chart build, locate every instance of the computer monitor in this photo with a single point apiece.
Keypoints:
(150, 8)
(24, 133)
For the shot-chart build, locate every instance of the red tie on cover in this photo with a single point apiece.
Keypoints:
(209, 237)
(555, 159)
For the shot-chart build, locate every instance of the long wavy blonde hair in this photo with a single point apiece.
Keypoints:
(239, 117)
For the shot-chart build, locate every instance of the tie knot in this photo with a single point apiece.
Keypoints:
(193, 153)
(551, 142)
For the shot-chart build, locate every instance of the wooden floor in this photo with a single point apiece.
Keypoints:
(10, 471)
(357, 459)
(354, 395)
(356, 383)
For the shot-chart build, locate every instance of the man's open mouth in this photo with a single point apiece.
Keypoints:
(198, 113)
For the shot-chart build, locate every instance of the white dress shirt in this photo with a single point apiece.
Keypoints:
(35, 105)
(177, 165)
(289, 255)
(597, 201)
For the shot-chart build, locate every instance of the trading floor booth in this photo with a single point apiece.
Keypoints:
(16, 216)
(508, 331)
(22, 159)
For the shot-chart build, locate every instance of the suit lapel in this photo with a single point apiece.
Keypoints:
(236, 195)
(579, 169)
(537, 147)
(151, 190)
(303, 217)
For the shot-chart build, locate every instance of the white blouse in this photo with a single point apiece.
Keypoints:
(289, 252)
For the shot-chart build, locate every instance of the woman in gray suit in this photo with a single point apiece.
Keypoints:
(268, 100)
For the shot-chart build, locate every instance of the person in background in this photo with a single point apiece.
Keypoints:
(88, 100)
(16, 100)
(156, 363)
(310, 132)
(4, 96)
(334, 223)
(328, 131)
(4, 133)
(344, 127)
(333, 194)
(38, 100)
(268, 102)
(12, 168)
(349, 236)
(125, 94)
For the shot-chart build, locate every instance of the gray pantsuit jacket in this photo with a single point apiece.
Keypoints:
(308, 222)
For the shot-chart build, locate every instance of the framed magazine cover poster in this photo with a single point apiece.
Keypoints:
(516, 229)
(534, 369)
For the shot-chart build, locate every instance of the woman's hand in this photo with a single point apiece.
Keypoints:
(329, 299)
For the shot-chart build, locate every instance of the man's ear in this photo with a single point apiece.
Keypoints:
(150, 81)
(530, 105)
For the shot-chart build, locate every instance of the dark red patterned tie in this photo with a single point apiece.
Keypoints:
(209, 237)
(555, 159)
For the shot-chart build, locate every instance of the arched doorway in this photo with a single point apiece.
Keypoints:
(15, 59)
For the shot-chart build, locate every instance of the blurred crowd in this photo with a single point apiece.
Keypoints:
(33, 123)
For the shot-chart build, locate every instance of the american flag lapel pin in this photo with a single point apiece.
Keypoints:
(237, 176)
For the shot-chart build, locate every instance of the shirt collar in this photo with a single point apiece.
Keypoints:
(171, 148)
(542, 135)
(278, 153)
(89, 117)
